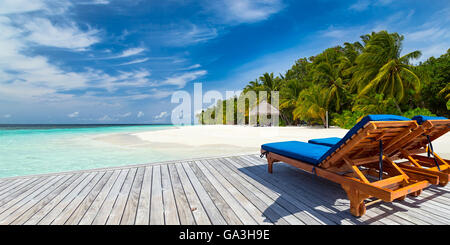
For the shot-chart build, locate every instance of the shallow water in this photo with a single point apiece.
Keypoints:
(47, 149)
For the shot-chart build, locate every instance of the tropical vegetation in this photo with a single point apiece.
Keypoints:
(352, 80)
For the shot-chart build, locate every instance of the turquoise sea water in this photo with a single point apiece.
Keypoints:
(48, 149)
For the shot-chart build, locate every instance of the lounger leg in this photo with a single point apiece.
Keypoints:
(357, 206)
(444, 181)
(401, 198)
(270, 163)
(416, 193)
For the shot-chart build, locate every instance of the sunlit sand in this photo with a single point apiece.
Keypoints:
(217, 140)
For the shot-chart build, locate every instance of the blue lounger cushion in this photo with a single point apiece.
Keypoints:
(325, 141)
(305, 152)
(420, 119)
(315, 154)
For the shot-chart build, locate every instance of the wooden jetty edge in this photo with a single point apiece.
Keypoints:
(218, 191)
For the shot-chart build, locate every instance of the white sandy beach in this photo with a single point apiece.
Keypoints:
(218, 140)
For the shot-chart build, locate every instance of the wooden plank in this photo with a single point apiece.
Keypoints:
(225, 210)
(105, 210)
(270, 208)
(299, 209)
(242, 214)
(355, 169)
(75, 202)
(7, 183)
(238, 189)
(13, 186)
(94, 208)
(183, 208)
(119, 205)
(213, 213)
(199, 213)
(34, 206)
(242, 199)
(17, 189)
(83, 207)
(156, 206)
(170, 207)
(25, 196)
(143, 209)
(31, 206)
(58, 204)
(129, 214)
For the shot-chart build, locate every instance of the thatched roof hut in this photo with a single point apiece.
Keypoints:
(264, 108)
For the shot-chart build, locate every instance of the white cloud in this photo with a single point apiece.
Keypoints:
(106, 118)
(362, 5)
(135, 62)
(161, 115)
(431, 33)
(94, 2)
(124, 115)
(181, 80)
(20, 6)
(245, 11)
(7, 116)
(44, 32)
(74, 114)
(192, 67)
(124, 54)
(130, 52)
(188, 35)
(140, 114)
(28, 77)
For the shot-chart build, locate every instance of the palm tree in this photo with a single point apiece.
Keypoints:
(377, 104)
(328, 69)
(252, 86)
(312, 104)
(288, 98)
(382, 69)
(269, 83)
(446, 93)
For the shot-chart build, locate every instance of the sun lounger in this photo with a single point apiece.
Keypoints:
(430, 129)
(357, 162)
(419, 141)
(325, 141)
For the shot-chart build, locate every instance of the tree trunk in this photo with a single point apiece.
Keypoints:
(324, 121)
(398, 107)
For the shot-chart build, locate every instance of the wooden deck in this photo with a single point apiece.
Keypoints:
(219, 191)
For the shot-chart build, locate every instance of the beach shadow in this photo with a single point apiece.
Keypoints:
(311, 198)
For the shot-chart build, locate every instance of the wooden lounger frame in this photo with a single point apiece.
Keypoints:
(417, 143)
(355, 163)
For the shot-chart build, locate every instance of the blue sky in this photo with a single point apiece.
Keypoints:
(119, 61)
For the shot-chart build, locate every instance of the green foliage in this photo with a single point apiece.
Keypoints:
(347, 119)
(354, 80)
(435, 73)
(312, 104)
(376, 104)
(418, 111)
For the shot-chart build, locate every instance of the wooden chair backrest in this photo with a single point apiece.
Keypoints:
(433, 128)
(363, 146)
